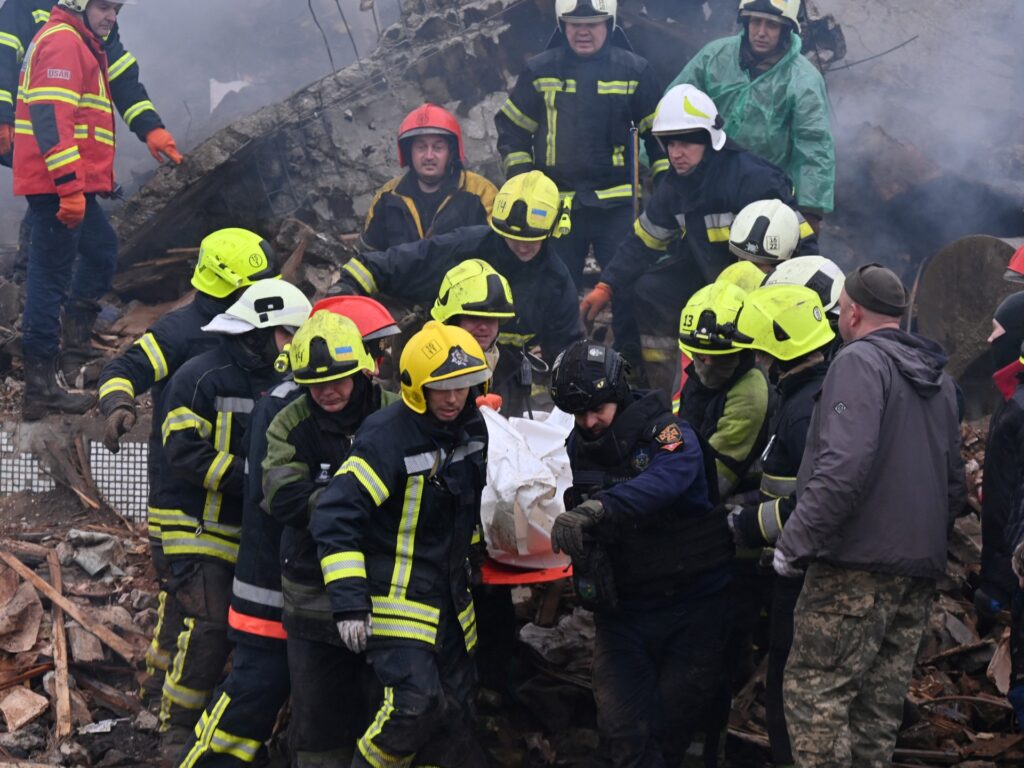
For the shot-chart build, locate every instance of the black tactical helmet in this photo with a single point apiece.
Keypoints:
(587, 375)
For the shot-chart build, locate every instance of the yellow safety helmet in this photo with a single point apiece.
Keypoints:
(708, 320)
(230, 259)
(473, 288)
(326, 347)
(745, 275)
(528, 207)
(784, 321)
(440, 357)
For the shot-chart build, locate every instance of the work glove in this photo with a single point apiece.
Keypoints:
(785, 567)
(355, 632)
(595, 301)
(492, 401)
(72, 209)
(1018, 562)
(161, 143)
(118, 423)
(6, 138)
(567, 532)
(343, 288)
(733, 519)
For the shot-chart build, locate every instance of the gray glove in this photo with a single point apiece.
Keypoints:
(567, 532)
(735, 510)
(355, 632)
(118, 423)
(785, 567)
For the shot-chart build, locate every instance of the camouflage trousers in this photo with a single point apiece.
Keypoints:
(855, 637)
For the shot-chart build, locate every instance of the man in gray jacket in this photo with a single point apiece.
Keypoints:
(880, 483)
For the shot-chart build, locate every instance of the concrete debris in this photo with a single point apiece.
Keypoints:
(20, 706)
(20, 616)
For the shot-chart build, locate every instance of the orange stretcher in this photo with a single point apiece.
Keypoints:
(494, 572)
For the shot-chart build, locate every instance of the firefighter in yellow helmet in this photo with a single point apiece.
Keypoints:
(229, 261)
(393, 531)
(476, 298)
(790, 327)
(527, 214)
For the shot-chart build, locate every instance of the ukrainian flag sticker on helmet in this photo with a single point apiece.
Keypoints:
(540, 212)
(342, 352)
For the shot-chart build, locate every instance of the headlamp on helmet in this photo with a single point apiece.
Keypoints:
(707, 324)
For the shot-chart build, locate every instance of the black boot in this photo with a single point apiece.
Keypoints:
(80, 363)
(43, 395)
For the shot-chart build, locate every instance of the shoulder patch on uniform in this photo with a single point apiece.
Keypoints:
(670, 438)
(839, 407)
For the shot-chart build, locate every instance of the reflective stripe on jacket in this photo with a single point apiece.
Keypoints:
(394, 526)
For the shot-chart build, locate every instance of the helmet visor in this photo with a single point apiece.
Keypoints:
(462, 381)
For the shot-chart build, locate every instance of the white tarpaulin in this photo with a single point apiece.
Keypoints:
(527, 474)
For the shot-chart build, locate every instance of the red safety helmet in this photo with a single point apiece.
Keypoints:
(1015, 269)
(376, 325)
(429, 119)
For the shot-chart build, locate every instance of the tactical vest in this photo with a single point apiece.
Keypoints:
(670, 546)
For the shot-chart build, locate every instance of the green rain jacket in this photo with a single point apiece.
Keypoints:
(782, 115)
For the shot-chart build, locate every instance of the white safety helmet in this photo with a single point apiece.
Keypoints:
(765, 232)
(685, 109)
(585, 11)
(821, 275)
(79, 6)
(264, 304)
(784, 11)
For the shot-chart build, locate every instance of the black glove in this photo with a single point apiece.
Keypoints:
(567, 532)
(119, 422)
(344, 288)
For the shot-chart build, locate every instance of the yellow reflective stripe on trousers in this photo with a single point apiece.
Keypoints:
(185, 543)
(355, 268)
(64, 157)
(185, 418)
(467, 619)
(183, 696)
(617, 87)
(148, 343)
(369, 479)
(119, 66)
(405, 541)
(513, 113)
(117, 384)
(623, 190)
(210, 738)
(135, 110)
(373, 754)
(157, 659)
(513, 159)
(343, 565)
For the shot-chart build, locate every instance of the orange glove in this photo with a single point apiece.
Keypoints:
(6, 138)
(72, 209)
(595, 301)
(492, 401)
(160, 142)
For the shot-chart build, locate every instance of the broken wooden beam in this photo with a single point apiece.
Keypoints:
(108, 695)
(62, 688)
(118, 645)
(37, 671)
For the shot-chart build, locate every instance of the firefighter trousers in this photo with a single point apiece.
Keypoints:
(425, 716)
(165, 633)
(328, 702)
(242, 711)
(202, 590)
(657, 663)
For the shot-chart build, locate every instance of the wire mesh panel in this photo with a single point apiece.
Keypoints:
(20, 471)
(121, 477)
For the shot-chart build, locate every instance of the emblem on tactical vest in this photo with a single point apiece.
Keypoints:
(670, 435)
(641, 459)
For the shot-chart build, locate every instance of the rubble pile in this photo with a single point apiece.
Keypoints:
(76, 610)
